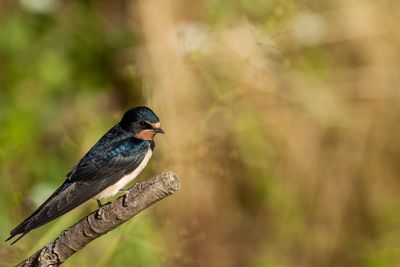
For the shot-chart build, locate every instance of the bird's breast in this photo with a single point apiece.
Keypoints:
(113, 189)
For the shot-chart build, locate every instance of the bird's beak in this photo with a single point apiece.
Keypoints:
(158, 130)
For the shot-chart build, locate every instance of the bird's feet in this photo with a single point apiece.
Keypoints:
(99, 213)
(124, 200)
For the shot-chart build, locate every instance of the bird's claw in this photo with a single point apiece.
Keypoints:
(99, 214)
(125, 199)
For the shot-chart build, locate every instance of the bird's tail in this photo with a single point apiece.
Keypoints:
(21, 229)
(12, 235)
(26, 226)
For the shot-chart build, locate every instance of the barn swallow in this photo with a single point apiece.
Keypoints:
(115, 160)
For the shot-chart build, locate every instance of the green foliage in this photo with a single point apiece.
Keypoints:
(281, 118)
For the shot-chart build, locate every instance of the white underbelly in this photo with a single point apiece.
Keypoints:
(113, 189)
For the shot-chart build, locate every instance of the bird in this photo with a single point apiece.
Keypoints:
(115, 160)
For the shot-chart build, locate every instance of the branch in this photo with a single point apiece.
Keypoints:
(115, 213)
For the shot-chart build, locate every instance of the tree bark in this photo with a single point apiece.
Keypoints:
(115, 213)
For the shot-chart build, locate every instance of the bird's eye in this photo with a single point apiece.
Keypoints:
(143, 123)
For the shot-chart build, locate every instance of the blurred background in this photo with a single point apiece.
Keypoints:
(281, 117)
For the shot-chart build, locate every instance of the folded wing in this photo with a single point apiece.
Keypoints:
(99, 169)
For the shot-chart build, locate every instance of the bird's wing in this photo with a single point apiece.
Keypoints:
(95, 172)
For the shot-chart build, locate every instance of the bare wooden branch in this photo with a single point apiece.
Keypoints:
(115, 213)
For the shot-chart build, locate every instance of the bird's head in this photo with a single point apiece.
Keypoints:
(142, 122)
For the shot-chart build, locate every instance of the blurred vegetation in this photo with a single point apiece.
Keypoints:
(282, 120)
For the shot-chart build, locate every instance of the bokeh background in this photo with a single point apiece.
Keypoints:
(282, 120)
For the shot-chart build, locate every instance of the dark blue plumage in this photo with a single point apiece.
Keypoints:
(123, 149)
